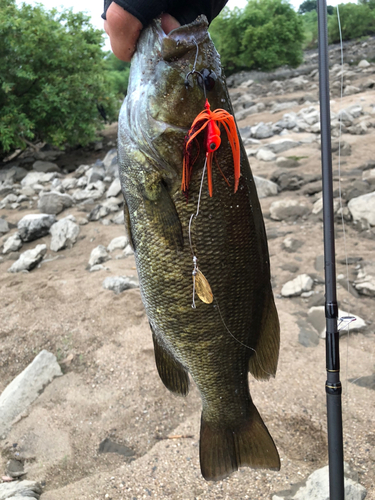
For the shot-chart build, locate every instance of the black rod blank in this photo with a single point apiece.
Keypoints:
(333, 384)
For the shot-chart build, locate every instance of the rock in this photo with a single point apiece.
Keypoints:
(29, 259)
(294, 288)
(368, 382)
(291, 245)
(368, 176)
(118, 243)
(54, 202)
(351, 89)
(34, 226)
(33, 178)
(356, 189)
(365, 282)
(118, 218)
(261, 131)
(290, 266)
(363, 64)
(307, 336)
(114, 189)
(45, 166)
(26, 387)
(111, 163)
(363, 207)
(69, 183)
(344, 148)
(283, 162)
(128, 250)
(284, 105)
(316, 487)
(20, 490)
(264, 154)
(282, 145)
(316, 317)
(288, 210)
(94, 191)
(96, 173)
(4, 227)
(265, 187)
(8, 200)
(98, 255)
(119, 283)
(12, 244)
(288, 181)
(64, 234)
(98, 212)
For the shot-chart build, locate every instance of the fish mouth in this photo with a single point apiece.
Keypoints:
(183, 39)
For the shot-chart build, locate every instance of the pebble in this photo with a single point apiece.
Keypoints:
(119, 284)
(98, 255)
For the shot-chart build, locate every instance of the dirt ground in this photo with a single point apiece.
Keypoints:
(110, 389)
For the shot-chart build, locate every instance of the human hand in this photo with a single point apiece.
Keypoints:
(123, 30)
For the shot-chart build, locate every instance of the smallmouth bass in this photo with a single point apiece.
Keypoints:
(234, 328)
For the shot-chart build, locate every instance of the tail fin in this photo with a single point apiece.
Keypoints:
(223, 450)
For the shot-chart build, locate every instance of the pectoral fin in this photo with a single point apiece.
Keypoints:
(172, 373)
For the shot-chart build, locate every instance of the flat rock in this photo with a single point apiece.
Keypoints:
(45, 166)
(262, 131)
(316, 317)
(265, 187)
(284, 105)
(118, 243)
(33, 178)
(291, 245)
(363, 207)
(288, 210)
(294, 288)
(282, 145)
(307, 335)
(264, 154)
(4, 226)
(283, 162)
(29, 259)
(94, 191)
(316, 487)
(114, 189)
(119, 284)
(363, 64)
(26, 387)
(365, 282)
(98, 255)
(12, 244)
(20, 490)
(34, 226)
(54, 202)
(64, 234)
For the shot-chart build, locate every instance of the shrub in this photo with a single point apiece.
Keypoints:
(357, 20)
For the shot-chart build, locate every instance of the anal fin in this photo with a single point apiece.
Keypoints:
(173, 375)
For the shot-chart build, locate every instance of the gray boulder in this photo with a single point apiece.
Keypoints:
(316, 317)
(20, 490)
(12, 244)
(284, 105)
(33, 178)
(282, 145)
(111, 163)
(264, 154)
(45, 166)
(119, 284)
(4, 227)
(29, 259)
(98, 255)
(363, 207)
(365, 282)
(69, 183)
(34, 226)
(64, 233)
(118, 243)
(26, 387)
(98, 212)
(114, 189)
(96, 173)
(54, 202)
(265, 187)
(288, 210)
(94, 191)
(294, 288)
(262, 131)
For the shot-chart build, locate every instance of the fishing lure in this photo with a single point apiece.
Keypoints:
(210, 121)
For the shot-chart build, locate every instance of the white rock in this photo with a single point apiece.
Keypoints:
(128, 250)
(316, 316)
(262, 131)
(54, 202)
(94, 190)
(4, 227)
(363, 64)
(282, 145)
(98, 255)
(247, 83)
(293, 288)
(118, 243)
(114, 189)
(64, 234)
(365, 282)
(265, 187)
(26, 387)
(29, 259)
(363, 207)
(20, 490)
(37, 178)
(119, 283)
(34, 226)
(69, 183)
(284, 105)
(264, 154)
(288, 209)
(12, 244)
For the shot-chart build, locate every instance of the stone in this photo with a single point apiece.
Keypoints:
(287, 180)
(20, 490)
(282, 145)
(118, 218)
(262, 131)
(294, 288)
(8, 200)
(54, 202)
(34, 226)
(69, 183)
(96, 173)
(363, 64)
(365, 282)
(119, 284)
(26, 387)
(351, 89)
(114, 189)
(363, 207)
(283, 162)
(290, 266)
(264, 154)
(33, 178)
(94, 191)
(356, 189)
(316, 487)
(4, 226)
(291, 245)
(45, 166)
(265, 187)
(111, 163)
(98, 212)
(98, 255)
(316, 317)
(12, 244)
(128, 250)
(367, 381)
(118, 243)
(288, 210)
(307, 336)
(283, 105)
(344, 147)
(64, 234)
(28, 260)
(368, 176)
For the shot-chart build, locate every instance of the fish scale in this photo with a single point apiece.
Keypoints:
(216, 343)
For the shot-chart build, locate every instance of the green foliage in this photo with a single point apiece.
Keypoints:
(52, 77)
(307, 6)
(310, 25)
(264, 35)
(117, 73)
(357, 20)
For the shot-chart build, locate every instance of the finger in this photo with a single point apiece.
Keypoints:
(123, 30)
(169, 23)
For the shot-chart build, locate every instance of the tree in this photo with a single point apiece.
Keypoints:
(52, 77)
(307, 6)
(264, 35)
(117, 73)
(356, 20)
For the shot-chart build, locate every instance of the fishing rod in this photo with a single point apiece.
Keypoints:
(333, 384)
